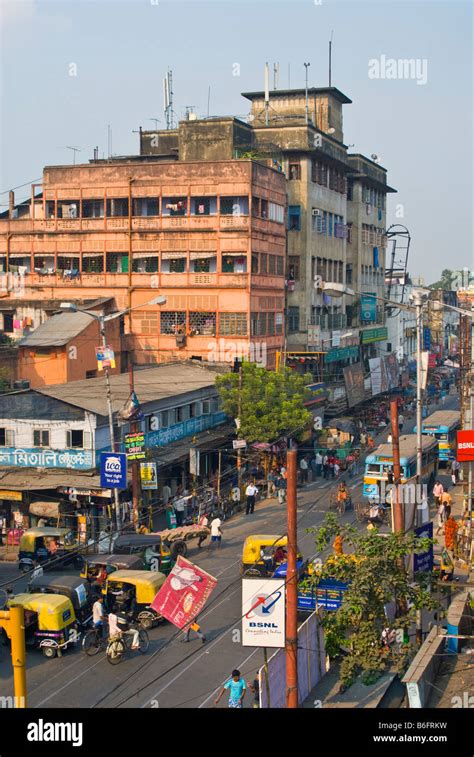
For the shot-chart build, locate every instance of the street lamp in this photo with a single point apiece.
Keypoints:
(102, 319)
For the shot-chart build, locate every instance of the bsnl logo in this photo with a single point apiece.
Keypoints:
(262, 606)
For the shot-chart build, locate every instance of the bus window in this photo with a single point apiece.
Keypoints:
(373, 468)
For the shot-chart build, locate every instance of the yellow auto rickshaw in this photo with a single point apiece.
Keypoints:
(132, 592)
(50, 547)
(50, 621)
(265, 555)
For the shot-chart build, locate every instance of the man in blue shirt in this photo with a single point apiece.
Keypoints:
(237, 688)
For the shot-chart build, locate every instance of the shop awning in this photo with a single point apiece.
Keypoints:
(32, 479)
(179, 451)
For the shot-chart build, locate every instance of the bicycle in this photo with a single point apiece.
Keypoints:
(94, 642)
(119, 645)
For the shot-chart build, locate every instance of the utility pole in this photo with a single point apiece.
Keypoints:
(419, 438)
(291, 644)
(13, 622)
(135, 477)
(398, 520)
(306, 65)
(111, 417)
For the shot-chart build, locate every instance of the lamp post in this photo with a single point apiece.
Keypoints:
(102, 319)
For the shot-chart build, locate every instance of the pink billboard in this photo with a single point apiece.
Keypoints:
(184, 593)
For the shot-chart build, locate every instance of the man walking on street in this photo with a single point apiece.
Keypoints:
(304, 470)
(197, 630)
(438, 490)
(318, 460)
(216, 532)
(250, 492)
(401, 421)
(455, 468)
(237, 689)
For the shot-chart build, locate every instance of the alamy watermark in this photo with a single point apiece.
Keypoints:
(224, 351)
(408, 494)
(399, 68)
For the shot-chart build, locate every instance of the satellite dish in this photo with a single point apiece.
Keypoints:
(375, 158)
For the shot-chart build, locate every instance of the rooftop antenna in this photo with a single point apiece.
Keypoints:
(267, 92)
(156, 120)
(306, 107)
(276, 72)
(330, 59)
(74, 149)
(96, 152)
(168, 99)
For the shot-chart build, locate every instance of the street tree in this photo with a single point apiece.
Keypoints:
(375, 570)
(445, 282)
(268, 405)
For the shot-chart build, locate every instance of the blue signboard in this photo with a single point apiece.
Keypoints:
(40, 457)
(426, 337)
(423, 561)
(113, 470)
(368, 308)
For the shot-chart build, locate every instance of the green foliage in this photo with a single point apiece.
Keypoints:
(376, 575)
(445, 282)
(271, 404)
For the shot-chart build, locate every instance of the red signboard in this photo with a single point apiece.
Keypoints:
(465, 446)
(431, 360)
(184, 593)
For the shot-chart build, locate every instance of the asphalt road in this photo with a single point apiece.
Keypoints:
(174, 674)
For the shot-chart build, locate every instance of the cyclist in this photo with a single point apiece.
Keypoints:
(98, 615)
(343, 494)
(114, 629)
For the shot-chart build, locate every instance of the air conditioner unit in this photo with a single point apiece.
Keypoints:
(316, 212)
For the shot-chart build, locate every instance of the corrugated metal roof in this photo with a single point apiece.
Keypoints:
(151, 384)
(58, 330)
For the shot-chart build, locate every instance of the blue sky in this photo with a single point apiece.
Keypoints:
(422, 133)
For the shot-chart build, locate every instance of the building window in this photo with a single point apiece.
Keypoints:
(350, 189)
(271, 264)
(253, 324)
(145, 206)
(202, 323)
(264, 209)
(90, 264)
(279, 323)
(349, 273)
(174, 206)
(172, 322)
(177, 265)
(279, 265)
(276, 212)
(234, 264)
(145, 265)
(271, 324)
(234, 206)
(293, 318)
(8, 323)
(293, 268)
(40, 438)
(117, 262)
(262, 324)
(263, 263)
(92, 208)
(349, 233)
(117, 207)
(206, 407)
(255, 263)
(294, 170)
(233, 324)
(203, 206)
(76, 438)
(294, 218)
(91, 374)
(7, 437)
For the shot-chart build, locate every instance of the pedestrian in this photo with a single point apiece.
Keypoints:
(250, 492)
(318, 459)
(455, 468)
(281, 489)
(363, 439)
(204, 523)
(389, 439)
(337, 468)
(166, 494)
(438, 490)
(304, 470)
(236, 687)
(271, 479)
(255, 689)
(98, 614)
(197, 630)
(179, 505)
(447, 501)
(331, 465)
(326, 466)
(216, 531)
(450, 528)
(441, 512)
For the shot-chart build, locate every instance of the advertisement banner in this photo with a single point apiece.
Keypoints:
(378, 375)
(148, 476)
(424, 369)
(465, 451)
(134, 445)
(263, 612)
(113, 470)
(423, 561)
(354, 381)
(368, 307)
(392, 370)
(184, 593)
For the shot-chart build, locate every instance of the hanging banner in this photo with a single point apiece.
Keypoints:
(424, 369)
(105, 358)
(378, 375)
(393, 371)
(135, 446)
(368, 308)
(148, 476)
(354, 381)
(194, 461)
(184, 593)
